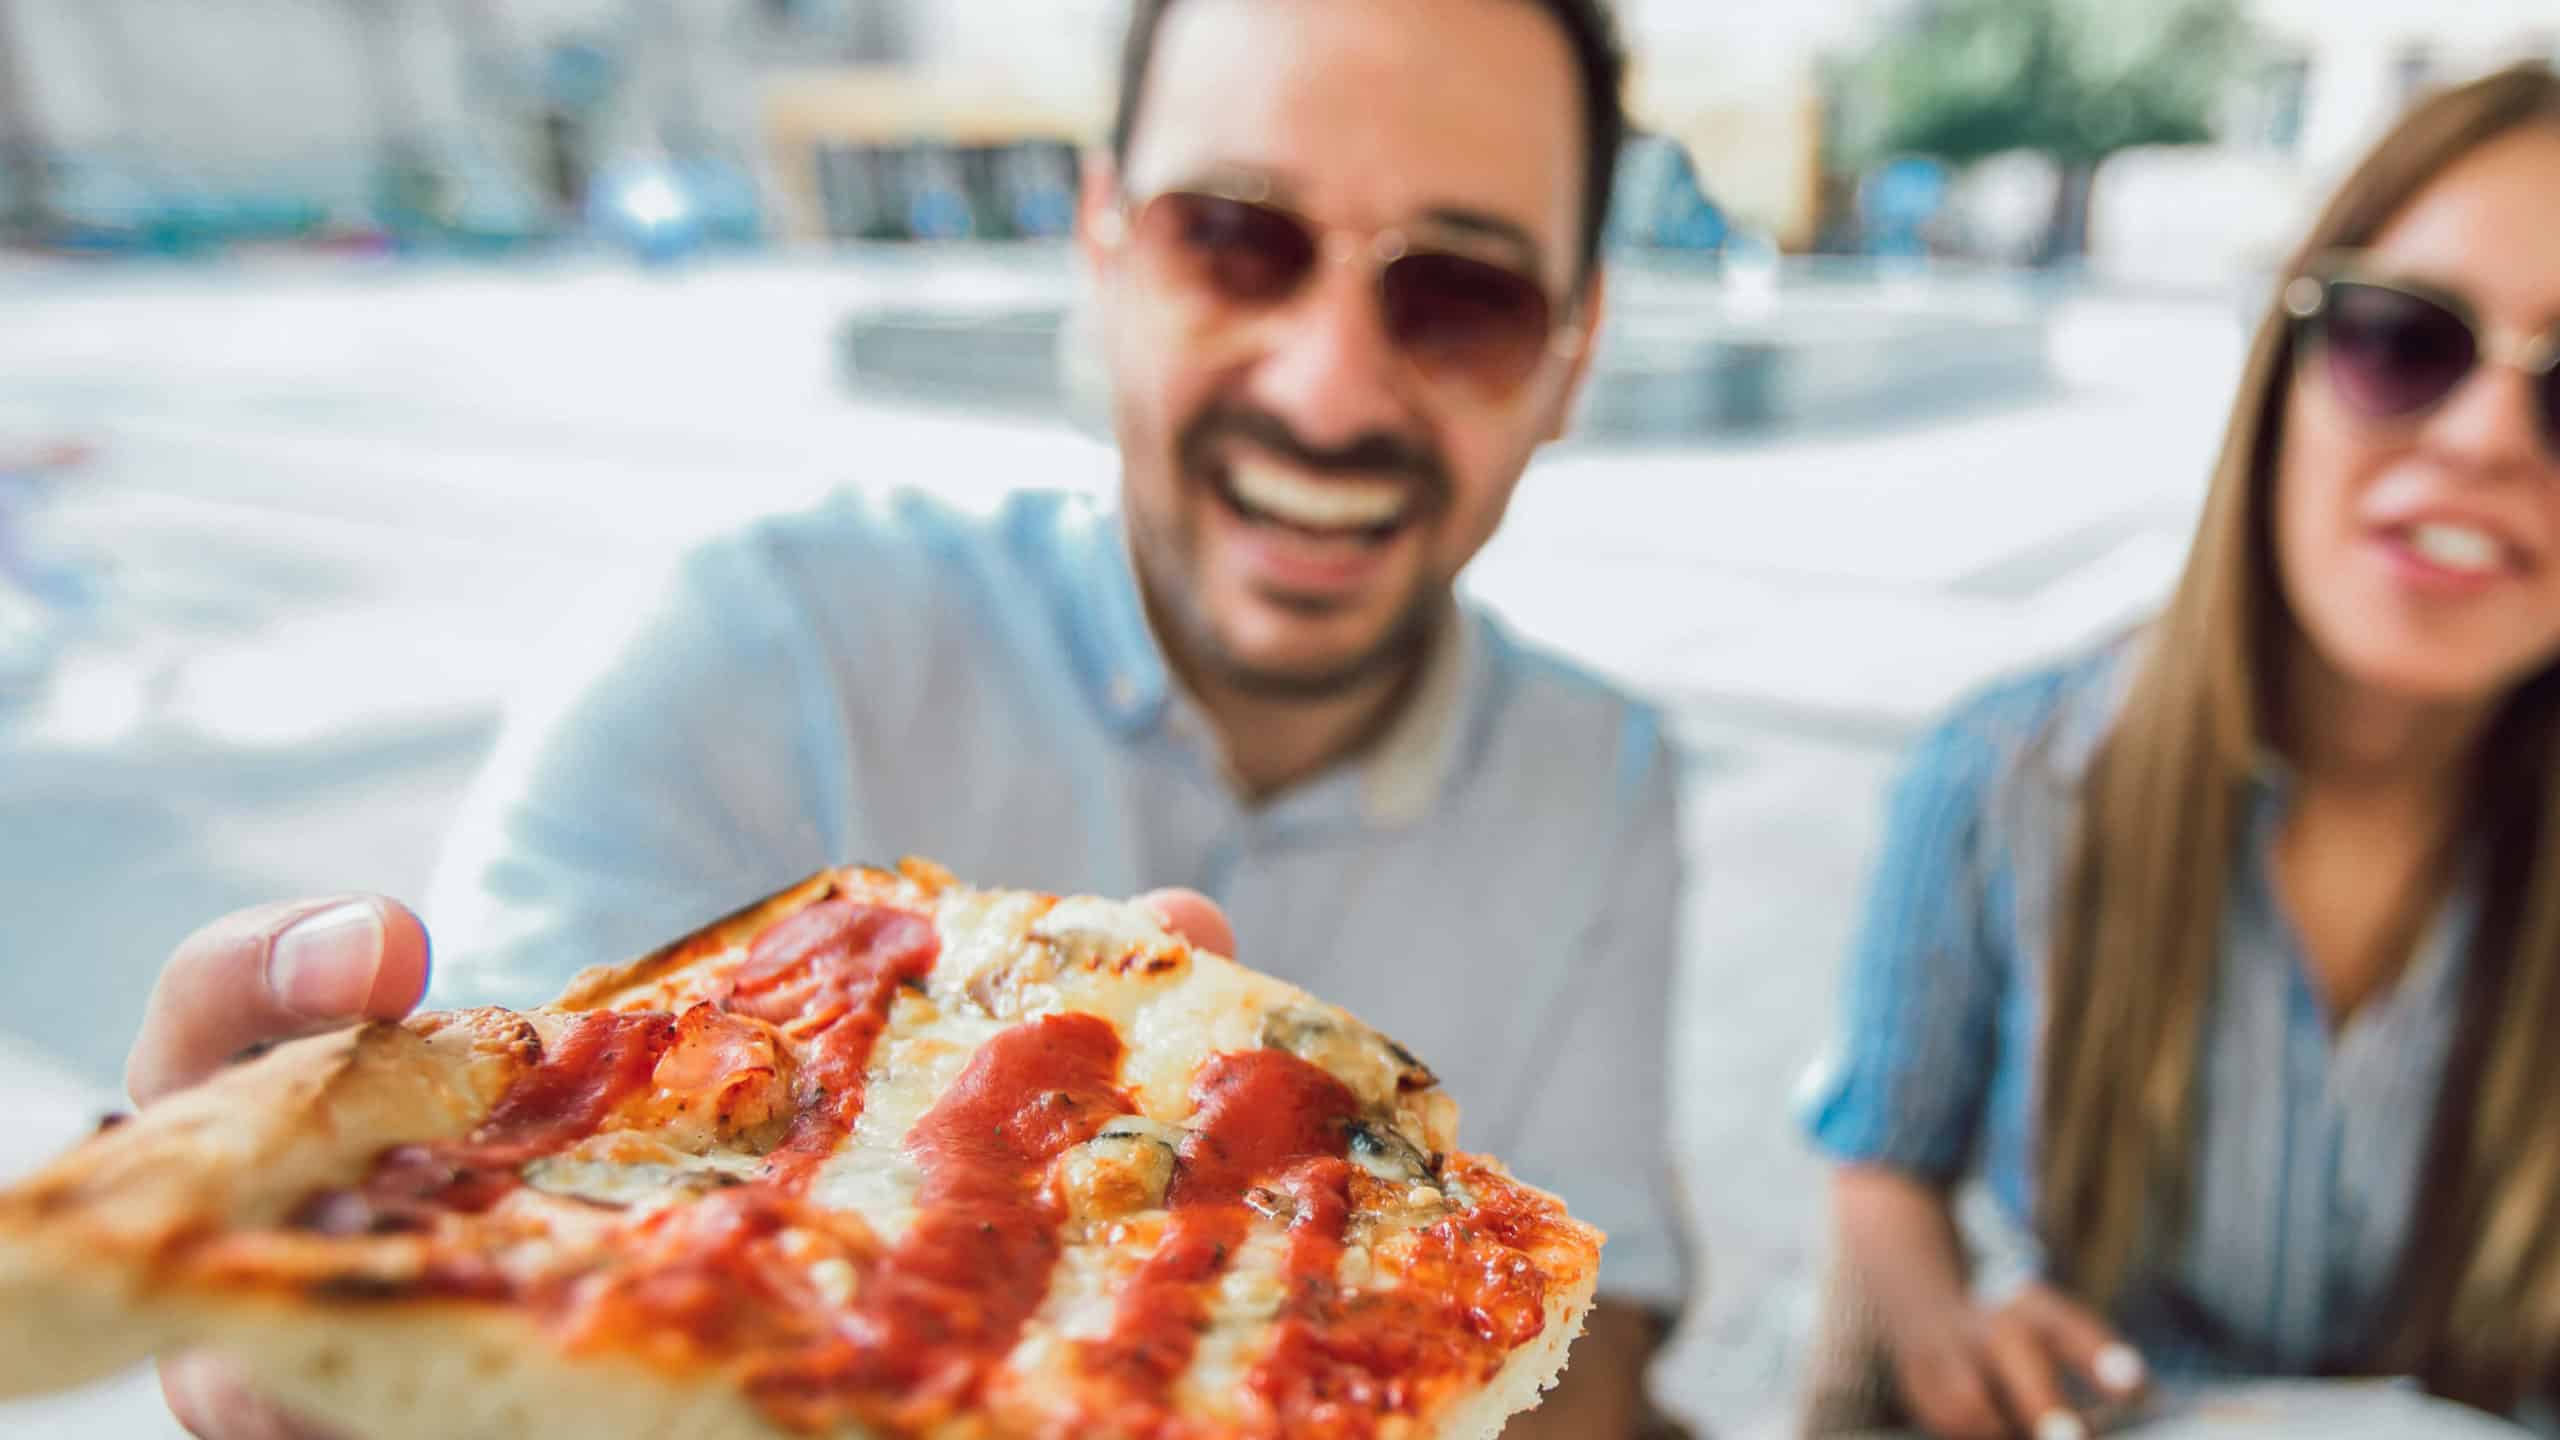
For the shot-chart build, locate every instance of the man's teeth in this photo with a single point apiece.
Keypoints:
(2457, 547)
(1293, 499)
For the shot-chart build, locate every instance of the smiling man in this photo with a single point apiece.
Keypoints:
(1345, 257)
(1346, 275)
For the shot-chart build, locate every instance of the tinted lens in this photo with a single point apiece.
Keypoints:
(2550, 390)
(2393, 353)
(1244, 253)
(1466, 319)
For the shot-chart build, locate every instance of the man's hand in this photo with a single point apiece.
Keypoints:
(273, 973)
(250, 979)
(1996, 1374)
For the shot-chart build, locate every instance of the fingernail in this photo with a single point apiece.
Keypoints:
(2120, 1368)
(323, 966)
(2061, 1425)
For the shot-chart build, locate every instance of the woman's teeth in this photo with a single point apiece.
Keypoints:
(2459, 548)
(1323, 505)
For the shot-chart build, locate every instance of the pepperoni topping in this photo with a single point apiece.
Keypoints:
(1258, 1114)
(1465, 1298)
(827, 976)
(602, 1060)
(735, 1273)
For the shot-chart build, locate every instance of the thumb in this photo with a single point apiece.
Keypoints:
(270, 973)
(1193, 916)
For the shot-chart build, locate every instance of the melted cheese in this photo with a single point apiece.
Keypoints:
(623, 1169)
(871, 1174)
(1248, 1295)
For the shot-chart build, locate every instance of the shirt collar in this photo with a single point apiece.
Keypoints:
(1410, 765)
(1399, 777)
(2088, 713)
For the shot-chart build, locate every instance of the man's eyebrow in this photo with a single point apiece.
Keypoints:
(1226, 176)
(1490, 226)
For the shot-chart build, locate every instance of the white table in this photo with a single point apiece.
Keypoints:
(2307, 1410)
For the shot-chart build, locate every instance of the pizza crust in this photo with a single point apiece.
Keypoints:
(1530, 1372)
(96, 1271)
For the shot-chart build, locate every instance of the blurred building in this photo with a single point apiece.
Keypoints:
(1742, 86)
(934, 118)
(853, 118)
(494, 120)
(495, 113)
(2327, 78)
(959, 94)
(2335, 72)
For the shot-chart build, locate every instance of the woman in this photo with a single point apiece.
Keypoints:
(2230, 954)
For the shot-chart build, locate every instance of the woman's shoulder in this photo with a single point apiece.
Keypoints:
(2044, 720)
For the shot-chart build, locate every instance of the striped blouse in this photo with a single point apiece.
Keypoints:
(2310, 1142)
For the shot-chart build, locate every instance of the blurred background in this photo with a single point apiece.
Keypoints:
(357, 338)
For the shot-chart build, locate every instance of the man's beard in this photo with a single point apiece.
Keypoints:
(1399, 647)
(1406, 640)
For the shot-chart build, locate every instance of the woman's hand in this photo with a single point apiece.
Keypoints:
(2011, 1371)
(2031, 1367)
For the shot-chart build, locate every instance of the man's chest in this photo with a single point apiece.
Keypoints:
(1453, 933)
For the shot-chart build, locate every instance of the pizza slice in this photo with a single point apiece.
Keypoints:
(883, 1155)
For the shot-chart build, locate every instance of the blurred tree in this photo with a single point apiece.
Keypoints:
(378, 30)
(22, 168)
(2078, 80)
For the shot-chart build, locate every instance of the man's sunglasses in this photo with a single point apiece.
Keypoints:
(1457, 316)
(2396, 349)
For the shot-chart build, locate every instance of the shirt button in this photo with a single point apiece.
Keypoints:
(1124, 692)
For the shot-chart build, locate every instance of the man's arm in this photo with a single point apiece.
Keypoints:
(657, 773)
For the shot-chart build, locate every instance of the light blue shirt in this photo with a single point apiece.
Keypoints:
(2310, 1144)
(1495, 882)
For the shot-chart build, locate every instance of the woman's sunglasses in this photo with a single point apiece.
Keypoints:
(1459, 318)
(2396, 350)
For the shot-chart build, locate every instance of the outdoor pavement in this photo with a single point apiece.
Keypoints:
(390, 479)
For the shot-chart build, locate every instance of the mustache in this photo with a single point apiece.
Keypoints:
(1376, 452)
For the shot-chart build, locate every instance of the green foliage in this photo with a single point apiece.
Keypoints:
(2076, 79)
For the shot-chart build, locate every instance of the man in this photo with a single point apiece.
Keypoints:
(1346, 271)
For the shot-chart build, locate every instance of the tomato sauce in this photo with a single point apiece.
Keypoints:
(1260, 1116)
(933, 1317)
(827, 976)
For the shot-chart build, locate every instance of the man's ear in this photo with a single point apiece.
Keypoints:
(1100, 223)
(1581, 335)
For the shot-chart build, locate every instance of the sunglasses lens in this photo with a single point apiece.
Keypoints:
(2392, 353)
(2550, 390)
(1467, 319)
(1244, 253)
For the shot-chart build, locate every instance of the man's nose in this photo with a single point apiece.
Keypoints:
(1328, 367)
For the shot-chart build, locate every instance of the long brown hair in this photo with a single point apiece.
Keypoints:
(2139, 939)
